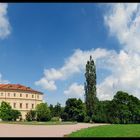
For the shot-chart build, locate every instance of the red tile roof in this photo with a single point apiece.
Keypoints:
(17, 87)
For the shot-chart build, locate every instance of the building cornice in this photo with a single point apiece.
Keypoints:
(19, 90)
(21, 98)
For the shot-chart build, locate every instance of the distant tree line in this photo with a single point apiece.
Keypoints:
(122, 109)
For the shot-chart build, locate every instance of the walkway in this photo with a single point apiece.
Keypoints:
(16, 130)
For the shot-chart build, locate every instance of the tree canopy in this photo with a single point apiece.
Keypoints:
(90, 87)
(74, 110)
(7, 113)
(43, 112)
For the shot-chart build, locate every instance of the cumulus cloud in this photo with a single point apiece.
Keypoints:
(4, 29)
(4, 22)
(123, 22)
(45, 84)
(75, 90)
(73, 65)
(2, 81)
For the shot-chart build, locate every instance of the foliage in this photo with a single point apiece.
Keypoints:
(87, 119)
(31, 115)
(55, 119)
(124, 108)
(101, 111)
(64, 116)
(43, 112)
(74, 110)
(57, 110)
(90, 87)
(7, 113)
(51, 110)
(15, 114)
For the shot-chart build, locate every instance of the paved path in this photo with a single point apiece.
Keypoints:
(17, 130)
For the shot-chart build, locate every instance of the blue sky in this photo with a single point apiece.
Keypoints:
(45, 36)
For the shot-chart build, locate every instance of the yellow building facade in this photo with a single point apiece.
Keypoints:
(20, 97)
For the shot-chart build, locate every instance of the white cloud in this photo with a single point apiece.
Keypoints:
(45, 84)
(123, 22)
(3, 81)
(4, 22)
(4, 29)
(125, 76)
(75, 90)
(73, 65)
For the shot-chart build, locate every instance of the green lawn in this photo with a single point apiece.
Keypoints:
(38, 123)
(115, 130)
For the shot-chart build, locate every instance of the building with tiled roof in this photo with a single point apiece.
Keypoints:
(20, 97)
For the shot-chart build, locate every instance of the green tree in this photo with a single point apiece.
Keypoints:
(74, 110)
(101, 112)
(15, 114)
(124, 108)
(31, 115)
(43, 112)
(57, 110)
(123, 113)
(5, 111)
(51, 110)
(90, 87)
(134, 108)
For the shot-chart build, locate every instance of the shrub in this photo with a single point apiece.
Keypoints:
(31, 115)
(99, 118)
(81, 117)
(64, 116)
(55, 119)
(15, 114)
(87, 119)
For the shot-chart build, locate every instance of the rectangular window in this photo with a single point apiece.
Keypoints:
(14, 94)
(38, 96)
(14, 105)
(32, 106)
(26, 105)
(26, 95)
(8, 94)
(32, 96)
(1, 94)
(20, 95)
(20, 105)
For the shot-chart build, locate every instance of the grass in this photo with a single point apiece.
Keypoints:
(37, 123)
(115, 130)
